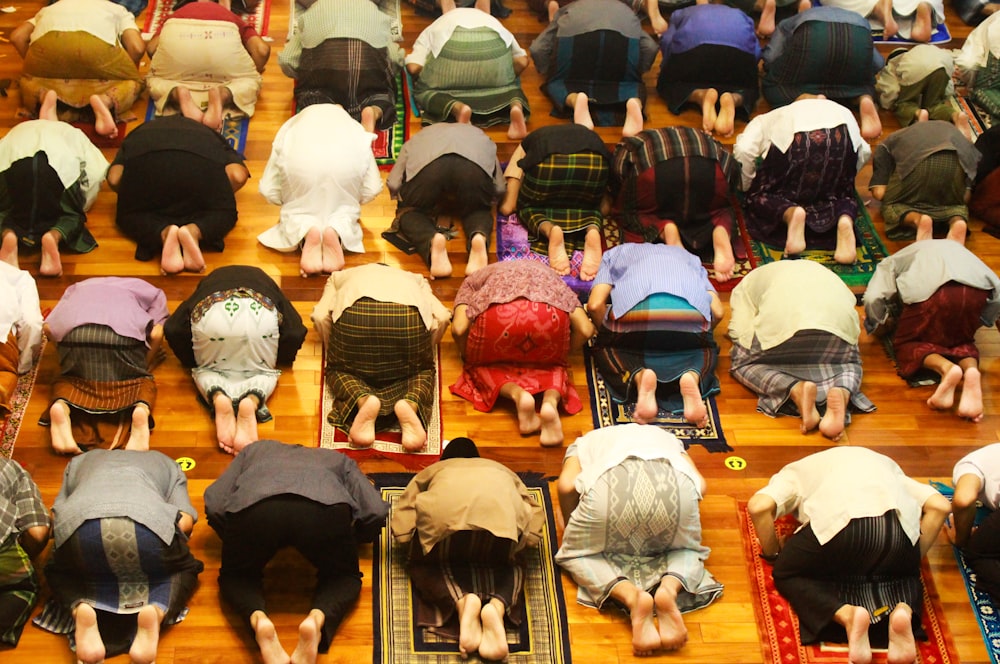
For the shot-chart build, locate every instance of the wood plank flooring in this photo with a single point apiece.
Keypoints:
(926, 444)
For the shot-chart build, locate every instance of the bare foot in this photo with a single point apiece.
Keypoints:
(171, 258)
(440, 263)
(846, 252)
(923, 115)
(961, 122)
(8, 248)
(633, 117)
(902, 647)
(944, 396)
(189, 108)
(494, 645)
(518, 127)
(368, 119)
(267, 639)
(957, 231)
(310, 634)
(104, 122)
(213, 114)
(463, 113)
(695, 411)
(832, 423)
(61, 430)
(246, 425)
(970, 405)
(51, 265)
(225, 422)
(645, 637)
(470, 629)
(558, 258)
(925, 228)
(646, 406)
(47, 110)
(147, 636)
(591, 254)
(194, 261)
(138, 438)
(333, 251)
(858, 648)
(923, 24)
(552, 431)
(673, 632)
(795, 242)
(803, 395)
(725, 123)
(528, 420)
(478, 259)
(765, 26)
(311, 262)
(723, 262)
(804, 5)
(89, 645)
(581, 111)
(362, 431)
(708, 116)
(891, 27)
(871, 125)
(414, 436)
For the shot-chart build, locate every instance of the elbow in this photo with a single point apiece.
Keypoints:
(760, 505)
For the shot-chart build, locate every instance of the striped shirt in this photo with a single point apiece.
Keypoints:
(636, 154)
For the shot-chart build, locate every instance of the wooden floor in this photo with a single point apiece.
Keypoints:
(926, 444)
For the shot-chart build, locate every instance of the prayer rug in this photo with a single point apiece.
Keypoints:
(389, 142)
(922, 378)
(160, 10)
(856, 276)
(11, 425)
(940, 35)
(608, 411)
(979, 119)
(779, 626)
(543, 637)
(387, 442)
(234, 128)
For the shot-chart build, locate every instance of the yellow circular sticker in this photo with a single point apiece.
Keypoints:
(735, 463)
(186, 463)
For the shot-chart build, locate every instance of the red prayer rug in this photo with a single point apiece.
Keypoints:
(160, 10)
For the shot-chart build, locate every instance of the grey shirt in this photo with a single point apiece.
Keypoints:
(270, 468)
(903, 150)
(147, 487)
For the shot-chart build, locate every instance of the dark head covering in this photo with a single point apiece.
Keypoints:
(460, 448)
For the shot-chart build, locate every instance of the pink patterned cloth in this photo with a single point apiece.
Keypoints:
(509, 280)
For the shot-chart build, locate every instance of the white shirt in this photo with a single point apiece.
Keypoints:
(982, 41)
(830, 488)
(69, 151)
(777, 300)
(320, 172)
(20, 313)
(436, 35)
(778, 127)
(602, 449)
(984, 463)
(101, 18)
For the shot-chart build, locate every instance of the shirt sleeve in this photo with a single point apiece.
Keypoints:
(372, 510)
(750, 145)
(371, 186)
(153, 301)
(273, 179)
(176, 492)
(882, 166)
(421, 48)
(29, 327)
(290, 56)
(321, 312)
(542, 47)
(31, 511)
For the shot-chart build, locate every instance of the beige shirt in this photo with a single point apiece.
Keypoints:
(384, 284)
(467, 494)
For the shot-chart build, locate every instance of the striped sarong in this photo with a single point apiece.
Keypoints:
(937, 187)
(829, 58)
(349, 72)
(379, 348)
(565, 189)
(602, 64)
(18, 590)
(468, 561)
(476, 68)
(660, 311)
(812, 355)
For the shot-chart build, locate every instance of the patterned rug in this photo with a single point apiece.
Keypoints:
(856, 276)
(389, 142)
(979, 120)
(544, 635)
(10, 425)
(387, 442)
(922, 378)
(608, 411)
(779, 627)
(513, 244)
(160, 10)
(234, 128)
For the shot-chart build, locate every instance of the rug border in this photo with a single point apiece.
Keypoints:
(10, 427)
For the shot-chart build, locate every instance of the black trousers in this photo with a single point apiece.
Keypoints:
(448, 185)
(983, 554)
(324, 534)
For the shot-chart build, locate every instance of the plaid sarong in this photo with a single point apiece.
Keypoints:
(812, 355)
(936, 187)
(379, 348)
(18, 590)
(986, 91)
(829, 58)
(475, 67)
(565, 189)
(349, 72)
(602, 64)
